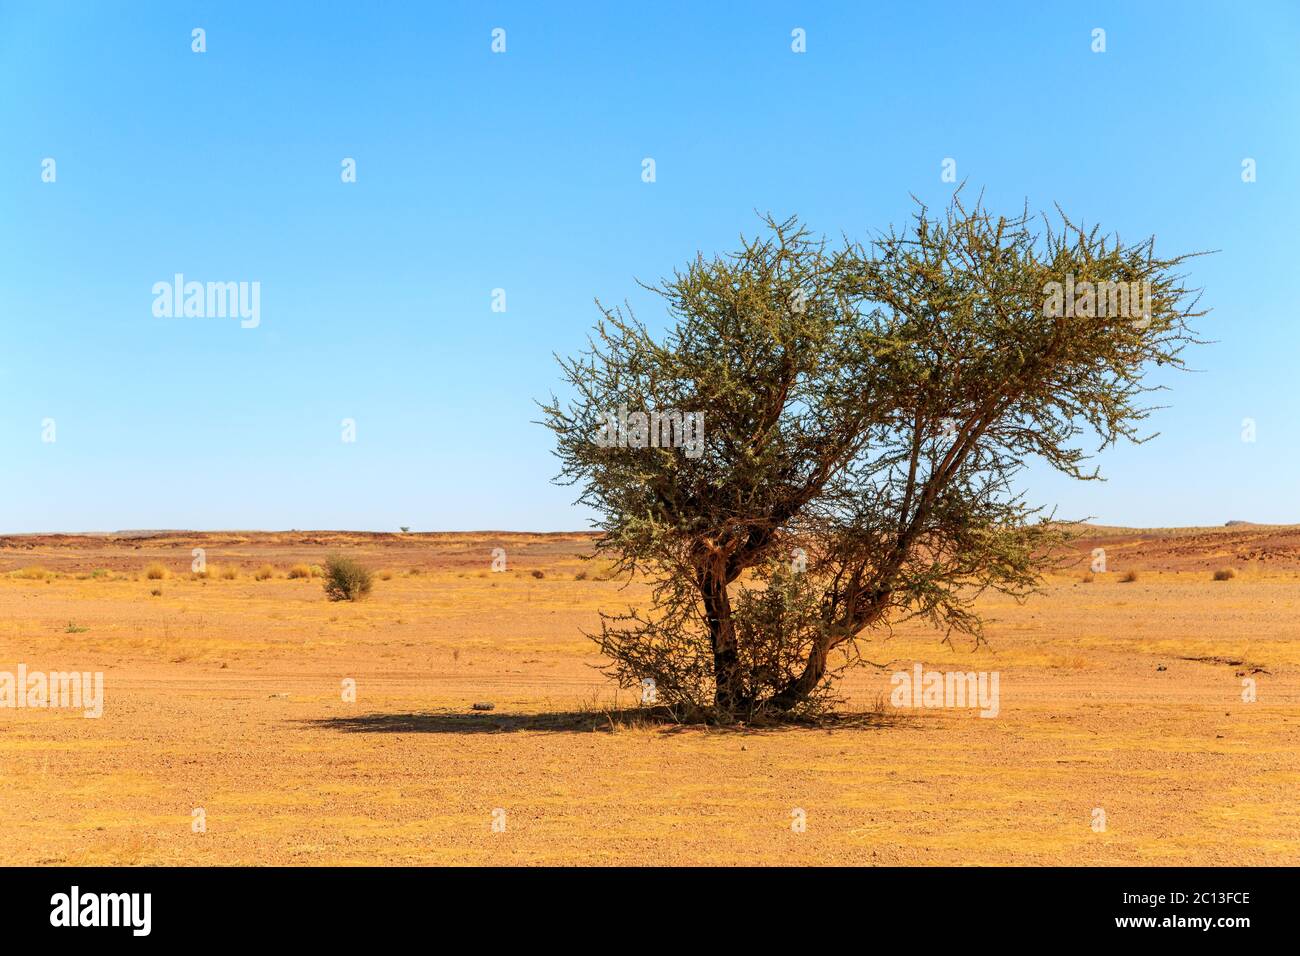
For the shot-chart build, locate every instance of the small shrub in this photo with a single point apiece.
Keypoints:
(580, 576)
(264, 573)
(155, 571)
(346, 579)
(75, 629)
(1224, 574)
(1088, 578)
(414, 572)
(230, 573)
(385, 575)
(539, 574)
(31, 574)
(1129, 577)
(300, 571)
(156, 592)
(99, 573)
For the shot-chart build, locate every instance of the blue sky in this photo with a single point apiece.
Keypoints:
(522, 171)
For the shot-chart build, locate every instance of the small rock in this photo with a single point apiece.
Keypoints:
(1161, 667)
(484, 705)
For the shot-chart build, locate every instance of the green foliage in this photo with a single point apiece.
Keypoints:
(869, 405)
(346, 579)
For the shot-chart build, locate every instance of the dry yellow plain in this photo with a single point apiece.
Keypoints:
(226, 695)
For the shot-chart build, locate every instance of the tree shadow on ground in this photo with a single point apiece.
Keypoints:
(449, 722)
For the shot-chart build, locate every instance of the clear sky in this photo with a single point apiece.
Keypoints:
(522, 171)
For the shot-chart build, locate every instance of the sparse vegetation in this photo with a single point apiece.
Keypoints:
(300, 571)
(1088, 578)
(346, 579)
(155, 571)
(1129, 577)
(75, 629)
(539, 574)
(264, 573)
(156, 592)
(229, 573)
(31, 574)
(1224, 574)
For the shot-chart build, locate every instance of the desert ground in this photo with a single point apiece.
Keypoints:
(224, 694)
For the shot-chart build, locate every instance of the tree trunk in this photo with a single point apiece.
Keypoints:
(798, 689)
(728, 693)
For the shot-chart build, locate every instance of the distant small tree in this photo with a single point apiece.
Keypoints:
(866, 411)
(405, 529)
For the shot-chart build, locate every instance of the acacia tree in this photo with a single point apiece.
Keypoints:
(866, 409)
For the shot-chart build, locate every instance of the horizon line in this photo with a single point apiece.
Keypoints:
(157, 532)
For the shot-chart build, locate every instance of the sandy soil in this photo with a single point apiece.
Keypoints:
(226, 695)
